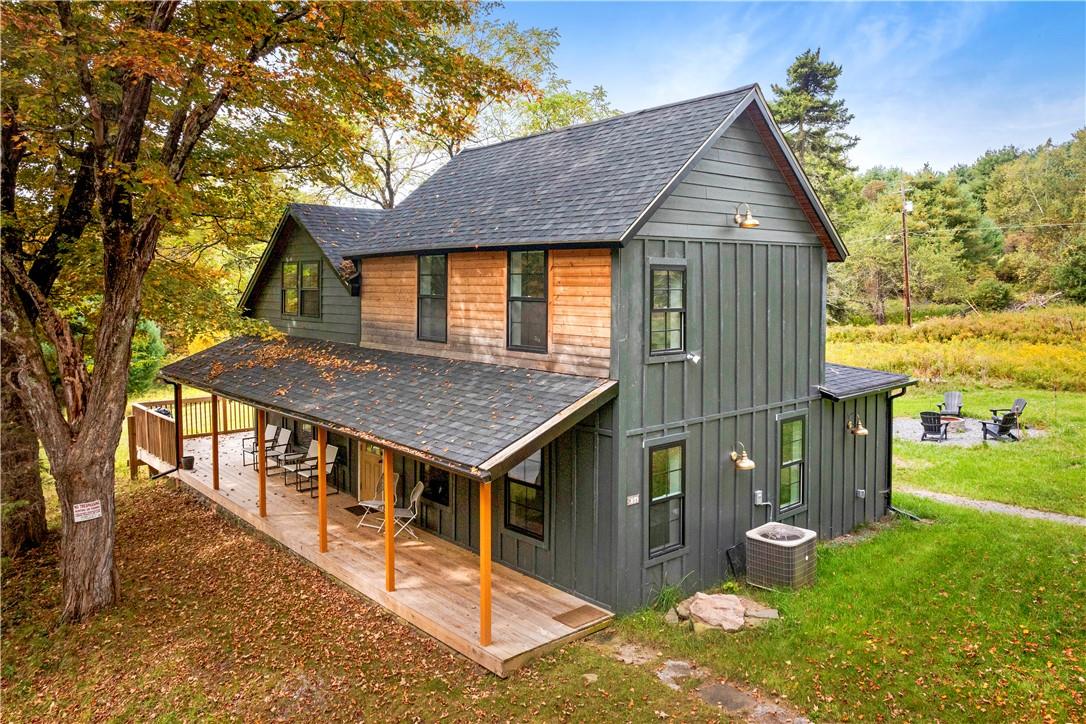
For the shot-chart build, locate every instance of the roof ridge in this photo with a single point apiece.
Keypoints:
(363, 209)
(620, 116)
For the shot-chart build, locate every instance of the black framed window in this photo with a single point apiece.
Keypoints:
(667, 498)
(301, 288)
(436, 484)
(290, 288)
(667, 315)
(433, 297)
(525, 498)
(792, 436)
(528, 301)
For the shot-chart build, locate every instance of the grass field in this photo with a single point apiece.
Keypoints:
(1039, 349)
(973, 617)
(1044, 472)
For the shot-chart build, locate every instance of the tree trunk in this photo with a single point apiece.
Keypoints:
(21, 499)
(88, 573)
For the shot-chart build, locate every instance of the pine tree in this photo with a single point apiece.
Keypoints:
(814, 122)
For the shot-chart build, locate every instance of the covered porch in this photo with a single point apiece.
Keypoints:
(498, 617)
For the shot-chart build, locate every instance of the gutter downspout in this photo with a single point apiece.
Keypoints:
(890, 456)
(177, 435)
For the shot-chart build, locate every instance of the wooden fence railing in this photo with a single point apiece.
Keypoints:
(153, 432)
(234, 416)
(152, 425)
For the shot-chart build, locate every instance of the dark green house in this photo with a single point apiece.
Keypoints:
(583, 324)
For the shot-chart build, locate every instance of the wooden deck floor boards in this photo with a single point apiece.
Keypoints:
(437, 582)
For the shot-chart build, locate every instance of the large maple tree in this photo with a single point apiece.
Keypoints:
(124, 122)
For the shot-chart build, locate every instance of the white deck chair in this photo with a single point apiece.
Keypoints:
(294, 462)
(377, 504)
(310, 473)
(251, 445)
(274, 453)
(402, 518)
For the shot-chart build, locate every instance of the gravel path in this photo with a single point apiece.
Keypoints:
(989, 506)
(963, 433)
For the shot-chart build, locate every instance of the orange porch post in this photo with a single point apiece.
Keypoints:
(214, 442)
(322, 489)
(390, 521)
(262, 461)
(484, 564)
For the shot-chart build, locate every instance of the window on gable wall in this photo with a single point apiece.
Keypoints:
(433, 297)
(301, 295)
(667, 314)
(528, 301)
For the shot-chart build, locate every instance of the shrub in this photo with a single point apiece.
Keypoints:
(990, 294)
(1070, 275)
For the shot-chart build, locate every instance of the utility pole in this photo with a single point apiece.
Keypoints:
(906, 207)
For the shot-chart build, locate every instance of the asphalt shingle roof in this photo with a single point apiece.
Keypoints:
(844, 382)
(583, 183)
(462, 413)
(336, 228)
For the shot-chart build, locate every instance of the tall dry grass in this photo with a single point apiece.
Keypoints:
(1043, 348)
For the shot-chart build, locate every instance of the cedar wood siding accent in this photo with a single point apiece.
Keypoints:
(339, 319)
(576, 554)
(579, 309)
(755, 314)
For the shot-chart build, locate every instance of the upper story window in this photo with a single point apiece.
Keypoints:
(301, 288)
(525, 499)
(792, 437)
(528, 301)
(433, 297)
(667, 498)
(667, 315)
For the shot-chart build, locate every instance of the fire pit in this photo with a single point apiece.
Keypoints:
(957, 424)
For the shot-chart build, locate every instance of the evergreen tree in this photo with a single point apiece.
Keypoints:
(815, 123)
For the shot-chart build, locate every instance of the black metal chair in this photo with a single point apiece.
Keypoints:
(1017, 408)
(1001, 430)
(934, 427)
(951, 404)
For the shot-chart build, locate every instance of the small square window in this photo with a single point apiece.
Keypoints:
(436, 484)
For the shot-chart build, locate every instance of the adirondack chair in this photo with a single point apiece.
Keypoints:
(951, 404)
(1001, 430)
(1017, 408)
(934, 427)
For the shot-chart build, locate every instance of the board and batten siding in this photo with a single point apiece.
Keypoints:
(755, 314)
(339, 320)
(579, 309)
(575, 554)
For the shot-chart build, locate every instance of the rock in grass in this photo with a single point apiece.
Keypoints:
(590, 679)
(671, 617)
(753, 609)
(720, 610)
(682, 610)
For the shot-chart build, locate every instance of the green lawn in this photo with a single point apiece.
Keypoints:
(975, 617)
(1047, 473)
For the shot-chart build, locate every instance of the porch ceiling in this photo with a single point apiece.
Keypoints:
(473, 418)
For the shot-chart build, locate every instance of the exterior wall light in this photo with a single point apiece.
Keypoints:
(748, 221)
(742, 462)
(856, 426)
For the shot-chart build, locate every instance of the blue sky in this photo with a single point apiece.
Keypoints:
(928, 82)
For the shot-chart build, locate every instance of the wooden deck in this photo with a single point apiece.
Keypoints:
(437, 583)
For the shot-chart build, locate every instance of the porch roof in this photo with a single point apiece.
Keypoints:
(844, 382)
(473, 418)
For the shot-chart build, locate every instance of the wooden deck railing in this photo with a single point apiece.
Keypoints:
(152, 425)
